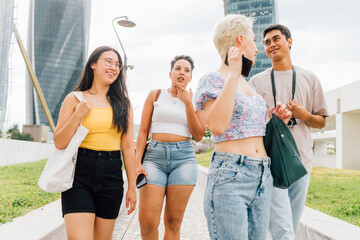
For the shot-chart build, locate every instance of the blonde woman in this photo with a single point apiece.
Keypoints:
(238, 191)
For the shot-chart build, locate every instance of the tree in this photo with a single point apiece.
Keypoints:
(15, 134)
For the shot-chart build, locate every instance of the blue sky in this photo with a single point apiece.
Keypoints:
(325, 41)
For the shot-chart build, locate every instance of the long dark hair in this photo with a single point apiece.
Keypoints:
(117, 94)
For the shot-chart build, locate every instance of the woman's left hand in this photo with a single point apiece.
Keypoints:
(131, 200)
(183, 95)
(281, 112)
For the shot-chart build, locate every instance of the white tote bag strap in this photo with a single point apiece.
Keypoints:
(79, 95)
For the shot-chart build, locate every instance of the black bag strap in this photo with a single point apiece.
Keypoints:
(273, 84)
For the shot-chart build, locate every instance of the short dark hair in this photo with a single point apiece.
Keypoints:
(284, 30)
(179, 57)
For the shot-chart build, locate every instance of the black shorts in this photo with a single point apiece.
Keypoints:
(98, 184)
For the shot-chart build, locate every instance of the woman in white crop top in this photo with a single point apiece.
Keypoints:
(169, 163)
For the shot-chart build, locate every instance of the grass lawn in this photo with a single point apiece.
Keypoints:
(335, 192)
(19, 192)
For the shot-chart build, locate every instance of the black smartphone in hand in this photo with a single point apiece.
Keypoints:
(246, 65)
(141, 180)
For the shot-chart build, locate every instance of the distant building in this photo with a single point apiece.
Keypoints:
(337, 144)
(265, 14)
(57, 46)
(6, 24)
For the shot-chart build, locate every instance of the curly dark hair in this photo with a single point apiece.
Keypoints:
(179, 57)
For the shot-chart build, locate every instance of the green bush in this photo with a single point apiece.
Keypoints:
(15, 134)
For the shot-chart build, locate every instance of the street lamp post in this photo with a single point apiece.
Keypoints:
(124, 22)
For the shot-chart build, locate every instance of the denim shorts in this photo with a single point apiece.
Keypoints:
(98, 184)
(237, 197)
(170, 163)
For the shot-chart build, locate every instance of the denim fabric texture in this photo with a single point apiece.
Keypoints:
(237, 197)
(287, 206)
(170, 163)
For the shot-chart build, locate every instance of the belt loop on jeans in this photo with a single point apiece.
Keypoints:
(263, 172)
(178, 145)
(241, 160)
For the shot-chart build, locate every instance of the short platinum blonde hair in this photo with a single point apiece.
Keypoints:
(228, 28)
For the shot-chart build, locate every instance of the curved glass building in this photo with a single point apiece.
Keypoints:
(57, 46)
(265, 14)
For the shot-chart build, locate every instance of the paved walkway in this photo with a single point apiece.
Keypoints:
(193, 227)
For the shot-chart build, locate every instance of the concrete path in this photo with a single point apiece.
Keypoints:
(193, 227)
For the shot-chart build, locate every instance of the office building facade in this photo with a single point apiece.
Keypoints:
(265, 14)
(57, 46)
(6, 24)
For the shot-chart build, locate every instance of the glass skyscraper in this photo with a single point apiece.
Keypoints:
(6, 24)
(265, 14)
(57, 46)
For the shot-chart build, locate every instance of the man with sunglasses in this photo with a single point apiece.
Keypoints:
(301, 90)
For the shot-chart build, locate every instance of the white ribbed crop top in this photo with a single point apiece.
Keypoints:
(169, 116)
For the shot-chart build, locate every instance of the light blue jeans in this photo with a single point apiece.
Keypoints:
(170, 163)
(237, 197)
(287, 206)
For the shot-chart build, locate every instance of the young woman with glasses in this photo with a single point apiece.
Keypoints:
(91, 206)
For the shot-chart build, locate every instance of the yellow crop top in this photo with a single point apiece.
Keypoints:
(102, 135)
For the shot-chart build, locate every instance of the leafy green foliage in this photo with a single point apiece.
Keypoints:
(15, 134)
(19, 190)
(207, 133)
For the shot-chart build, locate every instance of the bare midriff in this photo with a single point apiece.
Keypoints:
(252, 147)
(167, 137)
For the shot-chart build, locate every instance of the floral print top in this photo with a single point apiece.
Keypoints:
(249, 114)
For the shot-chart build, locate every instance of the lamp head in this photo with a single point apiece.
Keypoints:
(130, 66)
(126, 23)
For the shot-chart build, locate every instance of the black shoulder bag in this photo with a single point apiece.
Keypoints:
(286, 165)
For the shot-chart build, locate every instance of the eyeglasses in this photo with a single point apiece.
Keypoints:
(110, 63)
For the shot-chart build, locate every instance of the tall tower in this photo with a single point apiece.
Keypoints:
(57, 46)
(265, 14)
(6, 24)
